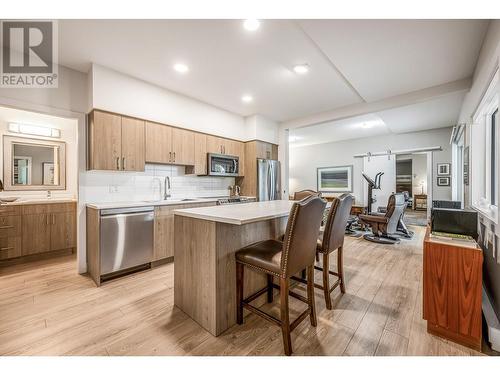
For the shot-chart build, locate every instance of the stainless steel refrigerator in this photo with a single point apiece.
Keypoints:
(268, 180)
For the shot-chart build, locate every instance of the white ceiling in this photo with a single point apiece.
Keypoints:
(432, 114)
(384, 58)
(378, 58)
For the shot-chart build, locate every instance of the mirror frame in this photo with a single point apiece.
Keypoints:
(9, 141)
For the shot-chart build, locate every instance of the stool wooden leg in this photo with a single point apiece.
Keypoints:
(310, 295)
(270, 288)
(340, 267)
(303, 274)
(239, 292)
(285, 316)
(326, 280)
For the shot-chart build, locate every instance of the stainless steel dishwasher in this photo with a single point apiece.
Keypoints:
(126, 238)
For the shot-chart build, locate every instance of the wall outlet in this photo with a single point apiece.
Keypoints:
(113, 188)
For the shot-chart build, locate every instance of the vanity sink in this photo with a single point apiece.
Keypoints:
(8, 199)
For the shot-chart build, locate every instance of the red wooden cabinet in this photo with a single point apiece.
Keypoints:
(452, 291)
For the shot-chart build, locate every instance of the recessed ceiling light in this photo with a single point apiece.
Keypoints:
(251, 24)
(181, 68)
(301, 68)
(246, 99)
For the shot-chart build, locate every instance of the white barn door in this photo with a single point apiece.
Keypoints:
(373, 165)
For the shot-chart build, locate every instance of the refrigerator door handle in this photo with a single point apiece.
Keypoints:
(269, 182)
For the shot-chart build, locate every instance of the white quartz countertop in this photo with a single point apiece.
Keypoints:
(168, 202)
(104, 206)
(239, 214)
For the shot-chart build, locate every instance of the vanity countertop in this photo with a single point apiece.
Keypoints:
(22, 202)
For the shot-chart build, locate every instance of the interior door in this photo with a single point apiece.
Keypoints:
(373, 165)
(133, 152)
(106, 136)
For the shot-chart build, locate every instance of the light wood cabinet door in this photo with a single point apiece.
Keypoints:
(35, 233)
(164, 232)
(200, 154)
(264, 150)
(62, 230)
(214, 145)
(182, 147)
(158, 143)
(105, 137)
(133, 153)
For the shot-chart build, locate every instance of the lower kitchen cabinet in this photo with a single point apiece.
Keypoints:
(31, 229)
(164, 228)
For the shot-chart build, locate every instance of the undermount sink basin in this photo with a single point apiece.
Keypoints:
(8, 199)
(171, 200)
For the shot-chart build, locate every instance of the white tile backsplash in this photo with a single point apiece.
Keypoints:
(103, 186)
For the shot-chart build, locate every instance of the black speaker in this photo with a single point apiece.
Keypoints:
(450, 220)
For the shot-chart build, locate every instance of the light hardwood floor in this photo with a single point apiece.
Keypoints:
(47, 309)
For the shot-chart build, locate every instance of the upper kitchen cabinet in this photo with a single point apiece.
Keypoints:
(200, 154)
(133, 153)
(158, 143)
(182, 147)
(266, 150)
(115, 142)
(168, 145)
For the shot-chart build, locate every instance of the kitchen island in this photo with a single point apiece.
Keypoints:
(206, 240)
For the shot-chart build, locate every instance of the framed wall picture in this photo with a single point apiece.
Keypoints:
(443, 181)
(48, 173)
(443, 169)
(335, 179)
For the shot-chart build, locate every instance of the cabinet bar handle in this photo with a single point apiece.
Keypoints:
(123, 162)
(53, 219)
(6, 226)
(174, 156)
(169, 156)
(118, 162)
(7, 248)
(47, 219)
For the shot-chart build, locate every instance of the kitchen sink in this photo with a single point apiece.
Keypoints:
(171, 200)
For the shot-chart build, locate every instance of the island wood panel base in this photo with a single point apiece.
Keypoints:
(205, 268)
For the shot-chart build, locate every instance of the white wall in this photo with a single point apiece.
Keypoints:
(486, 66)
(305, 160)
(117, 92)
(262, 128)
(70, 95)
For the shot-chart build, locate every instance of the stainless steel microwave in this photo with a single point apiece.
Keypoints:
(223, 165)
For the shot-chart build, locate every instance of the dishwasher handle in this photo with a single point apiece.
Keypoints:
(127, 211)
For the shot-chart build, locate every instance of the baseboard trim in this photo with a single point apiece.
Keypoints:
(492, 322)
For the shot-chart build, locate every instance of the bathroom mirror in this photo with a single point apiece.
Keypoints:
(33, 164)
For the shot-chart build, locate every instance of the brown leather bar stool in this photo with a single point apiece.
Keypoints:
(282, 260)
(299, 195)
(330, 240)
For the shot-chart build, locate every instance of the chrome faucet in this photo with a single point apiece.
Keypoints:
(166, 191)
(237, 190)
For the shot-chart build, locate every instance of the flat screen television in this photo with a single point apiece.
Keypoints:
(456, 221)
